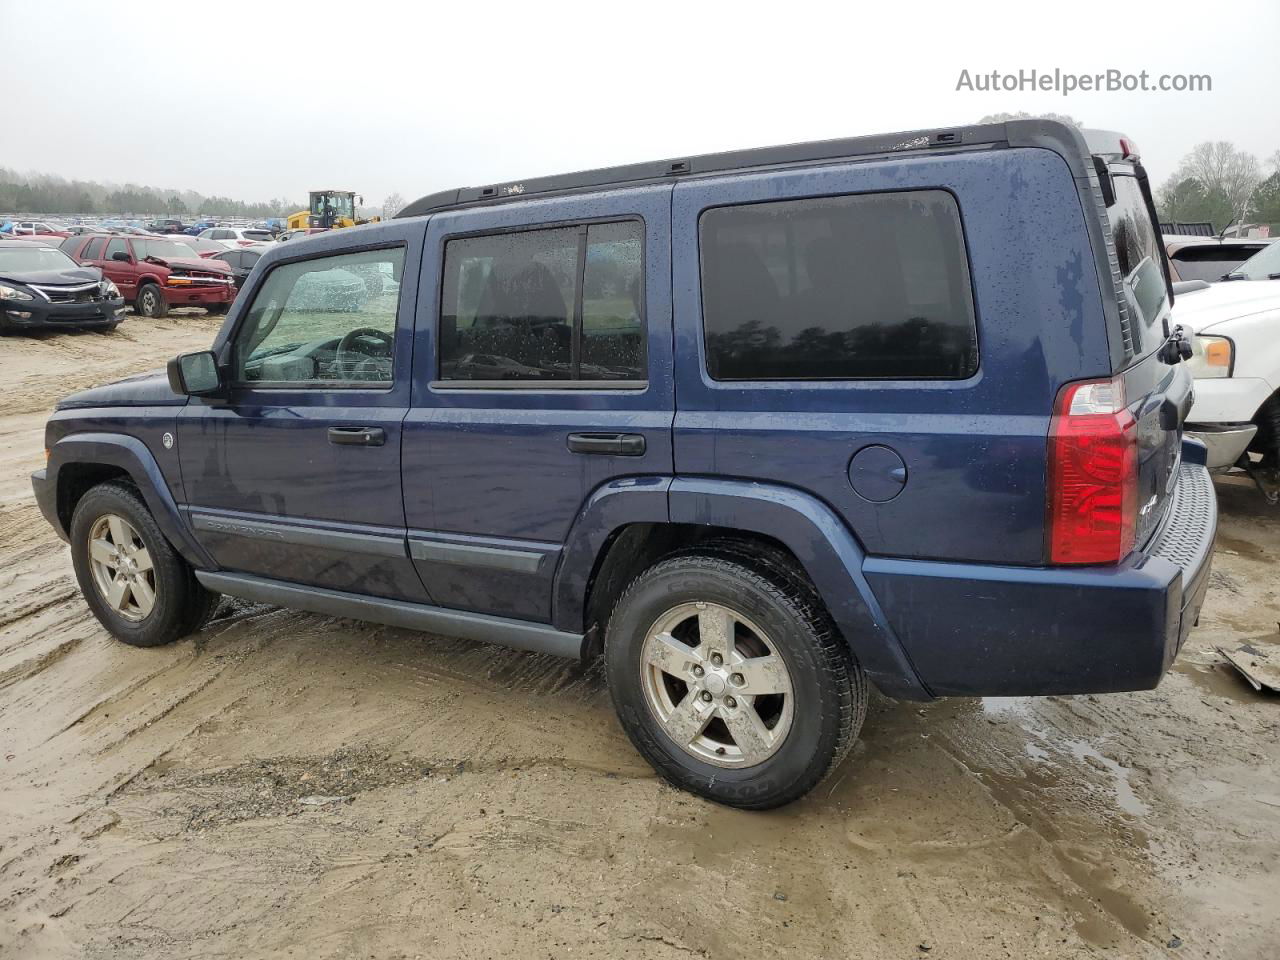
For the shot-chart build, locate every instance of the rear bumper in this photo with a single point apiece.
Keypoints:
(1225, 441)
(979, 630)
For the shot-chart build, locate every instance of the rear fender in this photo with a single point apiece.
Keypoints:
(609, 508)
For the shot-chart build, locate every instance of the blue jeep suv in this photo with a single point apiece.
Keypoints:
(759, 429)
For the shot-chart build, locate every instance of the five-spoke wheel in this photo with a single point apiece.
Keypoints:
(137, 585)
(731, 679)
(122, 567)
(717, 685)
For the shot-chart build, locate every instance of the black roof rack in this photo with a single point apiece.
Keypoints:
(1060, 137)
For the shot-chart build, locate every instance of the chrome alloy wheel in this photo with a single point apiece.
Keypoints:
(122, 568)
(717, 685)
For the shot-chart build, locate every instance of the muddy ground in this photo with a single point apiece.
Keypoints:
(152, 801)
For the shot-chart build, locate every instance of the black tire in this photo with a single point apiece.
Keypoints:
(150, 302)
(218, 309)
(1267, 440)
(829, 687)
(182, 605)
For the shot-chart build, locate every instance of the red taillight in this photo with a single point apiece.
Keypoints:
(1093, 474)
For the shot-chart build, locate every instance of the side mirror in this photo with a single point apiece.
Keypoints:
(195, 374)
(121, 256)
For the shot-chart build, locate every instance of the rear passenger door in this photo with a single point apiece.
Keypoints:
(542, 373)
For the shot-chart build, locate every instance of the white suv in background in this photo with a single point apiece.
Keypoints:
(233, 237)
(1236, 361)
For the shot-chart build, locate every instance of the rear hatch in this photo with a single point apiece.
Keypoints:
(1157, 385)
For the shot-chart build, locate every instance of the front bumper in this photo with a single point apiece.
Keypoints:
(1225, 441)
(47, 500)
(979, 630)
(36, 314)
(199, 295)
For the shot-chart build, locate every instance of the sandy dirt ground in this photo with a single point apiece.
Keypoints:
(151, 801)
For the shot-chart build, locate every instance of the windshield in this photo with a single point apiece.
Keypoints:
(14, 261)
(339, 204)
(164, 249)
(1263, 265)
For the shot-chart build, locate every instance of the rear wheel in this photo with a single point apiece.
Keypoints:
(731, 682)
(135, 583)
(150, 302)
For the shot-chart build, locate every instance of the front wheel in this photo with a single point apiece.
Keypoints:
(151, 302)
(733, 684)
(135, 583)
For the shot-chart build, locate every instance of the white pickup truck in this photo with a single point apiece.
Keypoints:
(1236, 361)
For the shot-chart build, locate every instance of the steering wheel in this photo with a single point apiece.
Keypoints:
(354, 362)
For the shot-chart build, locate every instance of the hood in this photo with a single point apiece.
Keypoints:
(194, 263)
(1224, 301)
(144, 390)
(68, 275)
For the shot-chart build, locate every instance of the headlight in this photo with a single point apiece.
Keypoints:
(9, 293)
(1211, 357)
(108, 289)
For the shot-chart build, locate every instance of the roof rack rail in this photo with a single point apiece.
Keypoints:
(1047, 133)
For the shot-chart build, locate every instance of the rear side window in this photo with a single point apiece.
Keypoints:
(545, 305)
(874, 286)
(1138, 254)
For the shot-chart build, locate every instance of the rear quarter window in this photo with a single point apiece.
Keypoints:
(1139, 256)
(872, 286)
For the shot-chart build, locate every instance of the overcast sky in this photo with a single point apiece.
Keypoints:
(271, 98)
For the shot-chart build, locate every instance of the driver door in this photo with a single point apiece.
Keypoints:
(295, 474)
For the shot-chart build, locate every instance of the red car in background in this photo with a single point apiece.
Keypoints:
(156, 273)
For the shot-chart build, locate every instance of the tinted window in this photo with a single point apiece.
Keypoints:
(94, 250)
(116, 245)
(856, 287)
(231, 258)
(1139, 255)
(261, 235)
(325, 322)
(1209, 263)
(510, 305)
(248, 259)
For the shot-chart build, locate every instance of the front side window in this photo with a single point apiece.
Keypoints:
(116, 245)
(545, 305)
(326, 322)
(873, 286)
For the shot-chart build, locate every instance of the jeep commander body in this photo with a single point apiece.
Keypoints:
(758, 428)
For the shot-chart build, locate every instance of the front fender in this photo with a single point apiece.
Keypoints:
(829, 554)
(132, 456)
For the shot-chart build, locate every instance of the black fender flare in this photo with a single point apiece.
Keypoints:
(828, 551)
(132, 456)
